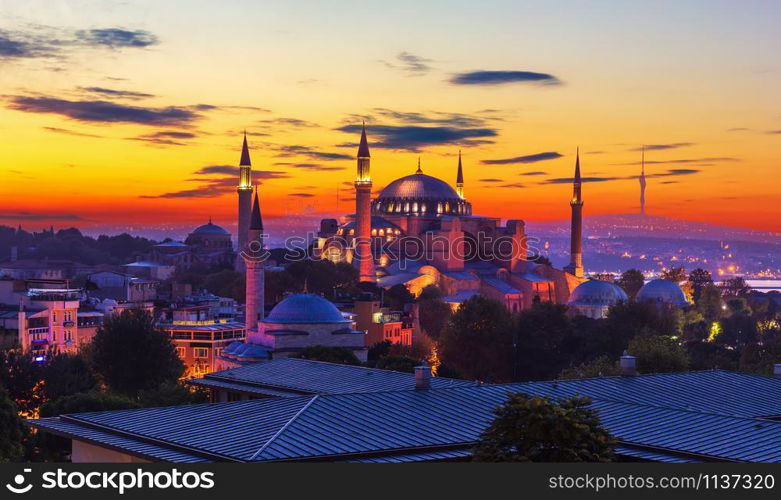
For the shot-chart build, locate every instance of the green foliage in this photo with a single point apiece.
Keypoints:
(398, 363)
(65, 375)
(20, 375)
(709, 302)
(477, 341)
(658, 354)
(130, 354)
(434, 313)
(87, 402)
(674, 274)
(760, 358)
(711, 355)
(322, 276)
(544, 341)
(172, 394)
(226, 283)
(603, 366)
(631, 281)
(535, 429)
(735, 287)
(396, 296)
(699, 279)
(11, 430)
(340, 355)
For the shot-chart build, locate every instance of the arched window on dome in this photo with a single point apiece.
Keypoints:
(447, 207)
(406, 207)
(439, 207)
(374, 232)
(423, 208)
(415, 207)
(381, 232)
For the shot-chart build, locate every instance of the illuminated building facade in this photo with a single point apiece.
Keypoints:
(422, 231)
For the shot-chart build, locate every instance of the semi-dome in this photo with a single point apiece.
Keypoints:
(597, 293)
(662, 291)
(305, 308)
(210, 228)
(420, 194)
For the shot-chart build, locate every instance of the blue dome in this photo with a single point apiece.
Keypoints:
(210, 228)
(305, 308)
(662, 291)
(597, 293)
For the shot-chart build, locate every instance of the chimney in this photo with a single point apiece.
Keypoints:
(628, 365)
(423, 377)
(777, 370)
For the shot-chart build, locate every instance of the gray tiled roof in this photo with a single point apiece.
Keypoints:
(302, 376)
(695, 416)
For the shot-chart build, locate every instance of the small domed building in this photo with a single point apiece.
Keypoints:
(298, 321)
(208, 244)
(594, 298)
(663, 293)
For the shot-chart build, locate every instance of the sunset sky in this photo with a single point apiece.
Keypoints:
(130, 114)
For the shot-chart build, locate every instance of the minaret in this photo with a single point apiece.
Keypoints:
(363, 216)
(642, 183)
(245, 199)
(575, 265)
(253, 255)
(460, 178)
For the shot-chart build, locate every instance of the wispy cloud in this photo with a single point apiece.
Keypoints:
(538, 172)
(118, 94)
(503, 77)
(669, 173)
(26, 216)
(409, 63)
(549, 155)
(70, 132)
(663, 147)
(49, 42)
(108, 112)
(434, 118)
(297, 150)
(166, 137)
(412, 138)
(217, 180)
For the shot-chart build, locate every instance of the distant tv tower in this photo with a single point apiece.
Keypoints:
(642, 183)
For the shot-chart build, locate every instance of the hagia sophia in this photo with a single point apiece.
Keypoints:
(418, 231)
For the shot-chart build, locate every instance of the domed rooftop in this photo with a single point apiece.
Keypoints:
(597, 293)
(210, 228)
(305, 308)
(662, 291)
(420, 194)
(419, 186)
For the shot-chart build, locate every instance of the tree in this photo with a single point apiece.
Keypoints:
(434, 313)
(477, 341)
(20, 374)
(396, 296)
(543, 342)
(11, 430)
(536, 429)
(709, 302)
(130, 354)
(398, 363)
(609, 277)
(339, 355)
(760, 358)
(631, 281)
(658, 354)
(699, 278)
(735, 287)
(602, 366)
(66, 374)
(674, 274)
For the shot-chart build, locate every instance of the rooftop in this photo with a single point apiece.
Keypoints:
(303, 376)
(694, 416)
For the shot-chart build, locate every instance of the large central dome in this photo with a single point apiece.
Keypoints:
(418, 186)
(420, 194)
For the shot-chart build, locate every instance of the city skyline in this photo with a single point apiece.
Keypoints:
(109, 117)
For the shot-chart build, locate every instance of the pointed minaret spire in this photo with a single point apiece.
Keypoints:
(419, 170)
(575, 265)
(642, 182)
(256, 221)
(363, 147)
(245, 161)
(460, 178)
(576, 183)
